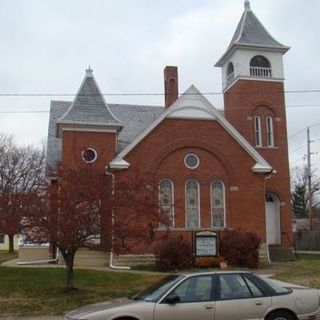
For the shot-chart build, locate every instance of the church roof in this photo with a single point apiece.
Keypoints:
(134, 118)
(89, 107)
(250, 32)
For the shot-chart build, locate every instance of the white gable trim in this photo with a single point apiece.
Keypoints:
(203, 109)
(191, 112)
(86, 127)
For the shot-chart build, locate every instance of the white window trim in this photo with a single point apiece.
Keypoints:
(270, 132)
(185, 205)
(224, 202)
(185, 160)
(95, 155)
(172, 195)
(257, 131)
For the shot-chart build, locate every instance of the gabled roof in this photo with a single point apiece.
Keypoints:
(193, 105)
(134, 118)
(88, 108)
(250, 32)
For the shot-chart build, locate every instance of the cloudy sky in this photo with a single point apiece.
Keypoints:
(46, 45)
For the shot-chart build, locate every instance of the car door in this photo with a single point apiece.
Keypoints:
(239, 298)
(190, 300)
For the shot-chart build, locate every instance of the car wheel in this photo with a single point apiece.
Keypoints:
(280, 315)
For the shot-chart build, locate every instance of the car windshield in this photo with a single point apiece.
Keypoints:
(275, 286)
(156, 291)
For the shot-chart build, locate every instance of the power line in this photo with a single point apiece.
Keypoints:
(217, 107)
(297, 149)
(304, 129)
(157, 94)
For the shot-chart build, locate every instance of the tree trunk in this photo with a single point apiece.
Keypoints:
(11, 243)
(69, 260)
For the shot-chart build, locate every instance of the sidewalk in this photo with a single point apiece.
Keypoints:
(32, 318)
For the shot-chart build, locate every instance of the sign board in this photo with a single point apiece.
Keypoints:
(206, 244)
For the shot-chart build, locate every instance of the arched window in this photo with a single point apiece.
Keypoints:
(257, 131)
(166, 203)
(192, 204)
(269, 128)
(218, 204)
(230, 72)
(260, 67)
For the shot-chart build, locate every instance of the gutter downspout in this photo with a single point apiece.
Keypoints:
(55, 260)
(111, 265)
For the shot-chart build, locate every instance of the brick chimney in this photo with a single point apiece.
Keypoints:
(170, 85)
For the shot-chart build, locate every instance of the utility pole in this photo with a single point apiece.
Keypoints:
(309, 177)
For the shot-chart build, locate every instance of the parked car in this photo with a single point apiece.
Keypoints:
(210, 296)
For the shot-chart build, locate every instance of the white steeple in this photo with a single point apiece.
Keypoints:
(252, 52)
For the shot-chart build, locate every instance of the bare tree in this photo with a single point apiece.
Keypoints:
(21, 172)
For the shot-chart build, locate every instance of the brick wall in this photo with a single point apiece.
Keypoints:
(221, 157)
(265, 98)
(74, 142)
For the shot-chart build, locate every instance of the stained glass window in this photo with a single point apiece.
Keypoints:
(192, 204)
(166, 203)
(217, 204)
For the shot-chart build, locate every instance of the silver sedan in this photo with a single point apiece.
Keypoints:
(210, 296)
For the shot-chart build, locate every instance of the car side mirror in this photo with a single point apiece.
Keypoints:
(172, 299)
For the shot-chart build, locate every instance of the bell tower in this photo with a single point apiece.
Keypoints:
(254, 103)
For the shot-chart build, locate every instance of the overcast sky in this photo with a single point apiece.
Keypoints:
(45, 47)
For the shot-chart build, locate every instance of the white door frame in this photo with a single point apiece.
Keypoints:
(272, 214)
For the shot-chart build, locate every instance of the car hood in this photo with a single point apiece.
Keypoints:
(92, 308)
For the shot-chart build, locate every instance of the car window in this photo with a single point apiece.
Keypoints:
(276, 286)
(256, 292)
(154, 292)
(195, 289)
(233, 286)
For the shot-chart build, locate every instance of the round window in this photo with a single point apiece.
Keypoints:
(191, 161)
(89, 155)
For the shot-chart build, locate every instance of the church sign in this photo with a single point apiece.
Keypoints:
(206, 244)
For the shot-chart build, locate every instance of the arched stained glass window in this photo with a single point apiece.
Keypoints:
(166, 203)
(257, 131)
(269, 127)
(192, 204)
(218, 204)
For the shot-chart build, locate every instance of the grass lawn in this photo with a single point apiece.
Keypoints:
(32, 291)
(305, 271)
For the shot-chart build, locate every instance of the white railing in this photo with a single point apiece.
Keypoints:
(260, 72)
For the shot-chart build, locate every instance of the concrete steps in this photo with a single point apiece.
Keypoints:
(134, 259)
(98, 259)
(89, 258)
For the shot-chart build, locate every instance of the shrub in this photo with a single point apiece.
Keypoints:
(173, 253)
(208, 262)
(240, 248)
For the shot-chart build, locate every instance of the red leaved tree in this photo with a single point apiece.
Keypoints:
(84, 204)
(136, 210)
(69, 213)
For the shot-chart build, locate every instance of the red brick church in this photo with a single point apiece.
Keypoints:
(229, 168)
